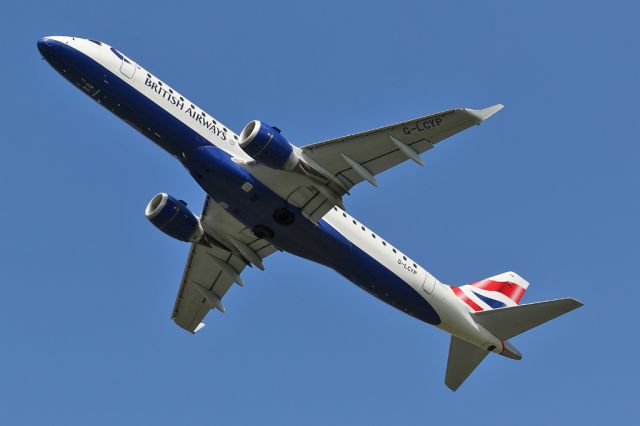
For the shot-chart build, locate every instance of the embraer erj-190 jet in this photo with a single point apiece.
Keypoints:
(266, 195)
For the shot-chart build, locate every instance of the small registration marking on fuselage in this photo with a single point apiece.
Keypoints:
(408, 267)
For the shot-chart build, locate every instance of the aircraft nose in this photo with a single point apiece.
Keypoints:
(48, 47)
(43, 45)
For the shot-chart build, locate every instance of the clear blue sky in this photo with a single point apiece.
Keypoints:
(548, 188)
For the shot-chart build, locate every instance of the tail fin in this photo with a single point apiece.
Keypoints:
(499, 291)
(506, 323)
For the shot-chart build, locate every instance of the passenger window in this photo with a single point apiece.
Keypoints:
(373, 235)
(384, 244)
(362, 228)
(404, 257)
(394, 250)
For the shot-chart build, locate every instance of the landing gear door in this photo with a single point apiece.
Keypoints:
(429, 283)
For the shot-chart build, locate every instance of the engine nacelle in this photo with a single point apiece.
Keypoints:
(267, 146)
(172, 217)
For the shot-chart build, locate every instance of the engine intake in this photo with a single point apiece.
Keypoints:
(267, 146)
(172, 217)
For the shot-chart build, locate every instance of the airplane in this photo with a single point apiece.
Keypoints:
(266, 195)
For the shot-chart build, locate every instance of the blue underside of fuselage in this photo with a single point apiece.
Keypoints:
(221, 178)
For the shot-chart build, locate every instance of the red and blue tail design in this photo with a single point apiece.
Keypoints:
(496, 292)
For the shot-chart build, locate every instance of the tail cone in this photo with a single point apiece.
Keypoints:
(510, 351)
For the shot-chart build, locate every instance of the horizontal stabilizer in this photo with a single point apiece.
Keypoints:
(505, 323)
(463, 359)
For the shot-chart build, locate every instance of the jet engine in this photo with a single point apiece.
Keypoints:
(172, 217)
(267, 146)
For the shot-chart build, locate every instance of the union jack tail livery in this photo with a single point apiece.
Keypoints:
(494, 305)
(498, 291)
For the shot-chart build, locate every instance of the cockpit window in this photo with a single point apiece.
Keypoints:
(120, 55)
(96, 42)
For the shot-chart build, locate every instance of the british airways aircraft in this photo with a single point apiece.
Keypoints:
(266, 195)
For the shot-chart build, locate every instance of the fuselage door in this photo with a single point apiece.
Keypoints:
(128, 68)
(429, 283)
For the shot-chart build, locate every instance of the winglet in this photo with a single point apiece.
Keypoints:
(483, 114)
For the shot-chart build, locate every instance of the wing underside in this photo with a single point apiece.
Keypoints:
(214, 265)
(355, 158)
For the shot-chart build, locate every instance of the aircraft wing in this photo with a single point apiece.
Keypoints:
(352, 159)
(214, 266)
